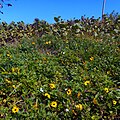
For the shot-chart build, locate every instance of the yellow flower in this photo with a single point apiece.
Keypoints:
(79, 106)
(94, 101)
(86, 82)
(114, 102)
(15, 109)
(33, 43)
(47, 95)
(4, 100)
(92, 58)
(69, 91)
(52, 85)
(78, 95)
(54, 104)
(8, 55)
(8, 81)
(48, 42)
(108, 72)
(106, 90)
(14, 86)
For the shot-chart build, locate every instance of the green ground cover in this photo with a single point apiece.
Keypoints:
(64, 71)
(49, 78)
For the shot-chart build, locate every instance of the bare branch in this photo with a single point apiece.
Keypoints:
(103, 8)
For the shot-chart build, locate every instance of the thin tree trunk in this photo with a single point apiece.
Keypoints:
(103, 8)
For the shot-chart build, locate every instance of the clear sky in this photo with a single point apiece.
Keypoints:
(28, 10)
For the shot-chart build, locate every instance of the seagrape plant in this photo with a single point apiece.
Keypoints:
(89, 27)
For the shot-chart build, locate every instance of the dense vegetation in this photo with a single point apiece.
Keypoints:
(62, 71)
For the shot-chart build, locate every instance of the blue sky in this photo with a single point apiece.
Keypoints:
(28, 10)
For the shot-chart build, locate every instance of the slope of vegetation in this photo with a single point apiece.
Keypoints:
(62, 71)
